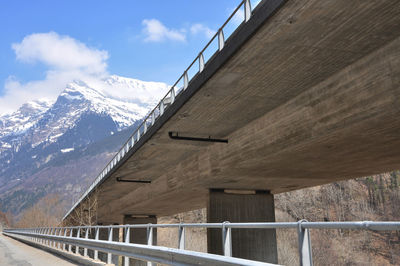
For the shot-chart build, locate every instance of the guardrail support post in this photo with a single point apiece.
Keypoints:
(110, 237)
(126, 240)
(96, 237)
(221, 39)
(161, 108)
(78, 233)
(70, 235)
(172, 95)
(305, 252)
(65, 234)
(150, 242)
(181, 239)
(185, 80)
(85, 251)
(153, 118)
(59, 234)
(247, 10)
(227, 239)
(49, 242)
(201, 62)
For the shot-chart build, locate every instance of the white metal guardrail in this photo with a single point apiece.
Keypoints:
(81, 238)
(244, 12)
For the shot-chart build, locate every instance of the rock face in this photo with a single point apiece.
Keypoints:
(59, 146)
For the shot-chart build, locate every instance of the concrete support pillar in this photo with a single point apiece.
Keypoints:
(243, 206)
(139, 235)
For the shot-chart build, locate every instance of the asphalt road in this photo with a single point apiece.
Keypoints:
(13, 252)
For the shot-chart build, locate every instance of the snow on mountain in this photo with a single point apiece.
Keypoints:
(21, 120)
(125, 100)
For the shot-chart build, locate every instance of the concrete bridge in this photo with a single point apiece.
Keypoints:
(303, 93)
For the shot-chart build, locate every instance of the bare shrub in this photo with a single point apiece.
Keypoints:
(47, 211)
(85, 213)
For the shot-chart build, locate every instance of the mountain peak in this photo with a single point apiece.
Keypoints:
(124, 100)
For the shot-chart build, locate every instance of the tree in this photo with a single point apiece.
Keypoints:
(46, 212)
(86, 212)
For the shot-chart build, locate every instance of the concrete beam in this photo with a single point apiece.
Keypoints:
(344, 127)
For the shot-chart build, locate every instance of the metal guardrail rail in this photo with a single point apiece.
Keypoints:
(81, 238)
(243, 11)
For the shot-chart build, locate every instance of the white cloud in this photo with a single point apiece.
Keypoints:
(200, 28)
(60, 52)
(155, 31)
(67, 59)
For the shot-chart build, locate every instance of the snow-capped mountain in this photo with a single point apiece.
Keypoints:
(124, 100)
(24, 118)
(87, 122)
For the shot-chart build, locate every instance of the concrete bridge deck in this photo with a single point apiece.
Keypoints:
(310, 98)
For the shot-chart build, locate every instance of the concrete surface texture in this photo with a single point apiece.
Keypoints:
(15, 253)
(310, 98)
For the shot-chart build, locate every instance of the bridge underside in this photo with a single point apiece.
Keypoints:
(311, 98)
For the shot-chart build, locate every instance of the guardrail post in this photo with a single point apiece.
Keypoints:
(201, 62)
(247, 10)
(161, 108)
(150, 242)
(78, 234)
(181, 243)
(55, 230)
(70, 235)
(49, 233)
(59, 234)
(221, 39)
(185, 80)
(96, 237)
(227, 239)
(305, 252)
(47, 241)
(153, 118)
(39, 233)
(127, 240)
(110, 237)
(172, 95)
(52, 243)
(85, 251)
(54, 234)
(65, 234)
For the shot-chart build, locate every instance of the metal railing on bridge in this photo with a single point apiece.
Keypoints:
(238, 17)
(80, 239)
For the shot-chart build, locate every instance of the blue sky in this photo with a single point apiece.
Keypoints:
(147, 40)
